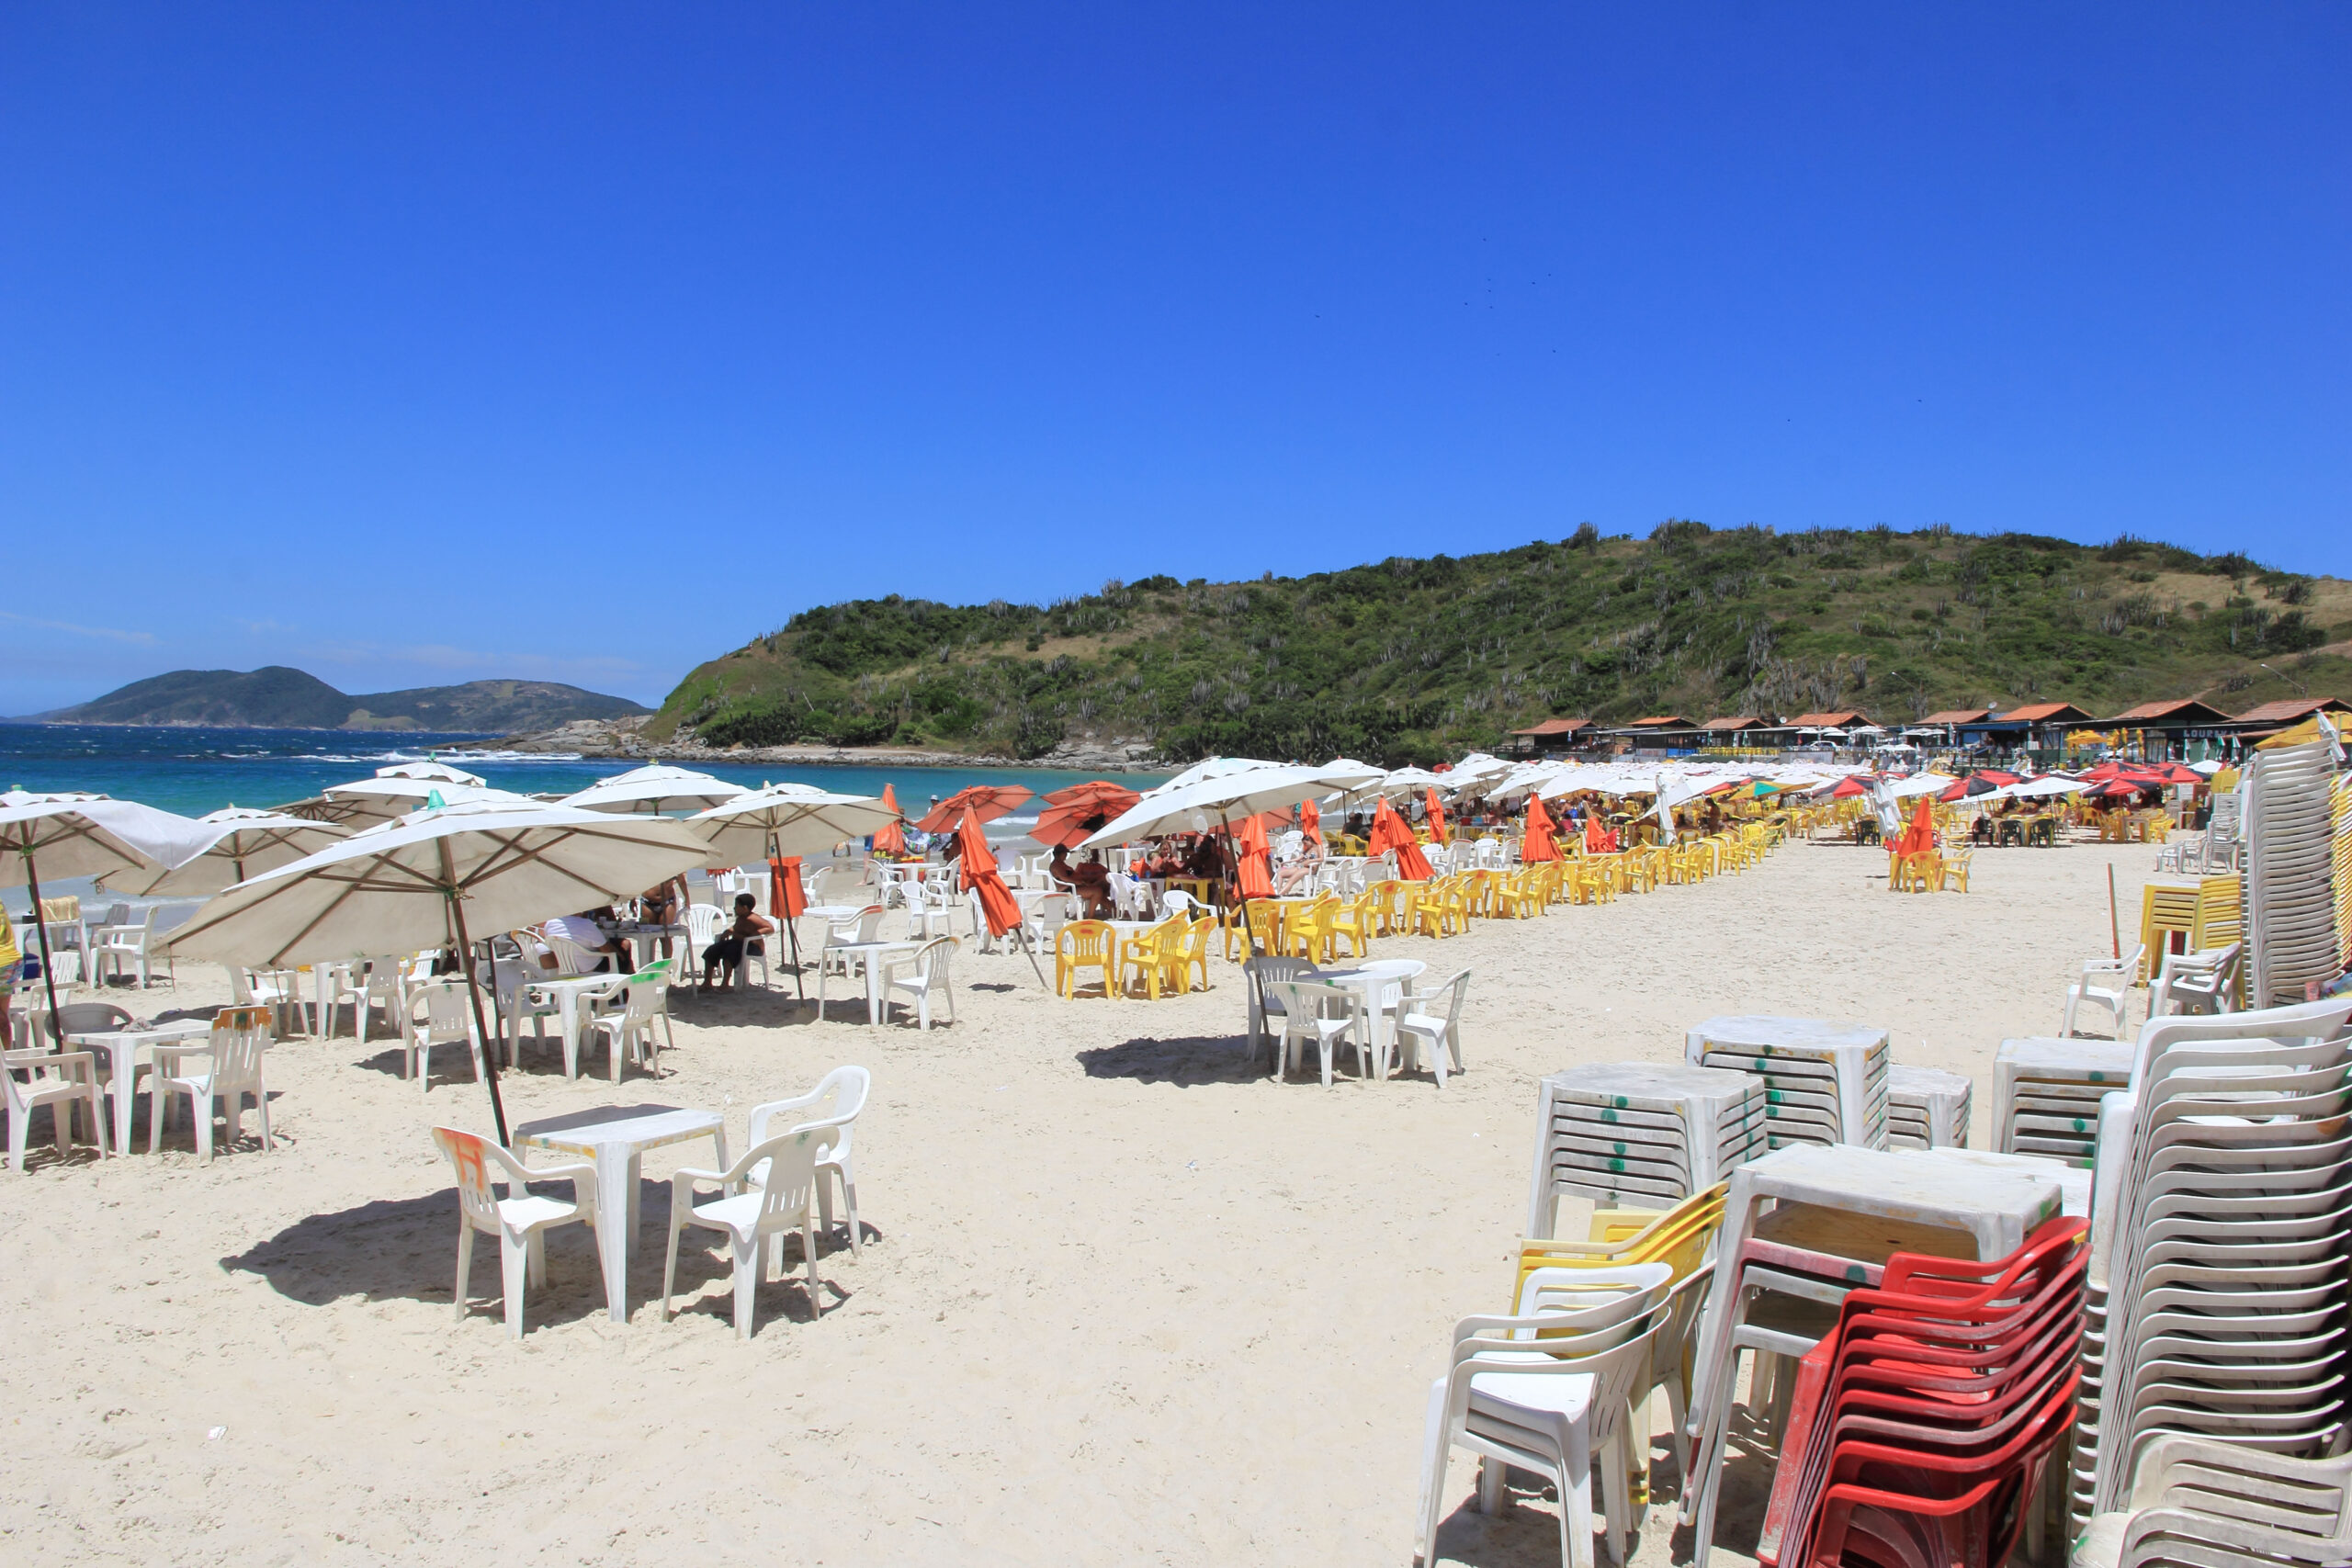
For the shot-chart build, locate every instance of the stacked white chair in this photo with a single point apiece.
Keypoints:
(2046, 1094)
(1825, 1082)
(1927, 1108)
(2220, 1252)
(2290, 912)
(1640, 1133)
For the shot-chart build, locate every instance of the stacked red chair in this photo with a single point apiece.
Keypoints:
(1922, 1424)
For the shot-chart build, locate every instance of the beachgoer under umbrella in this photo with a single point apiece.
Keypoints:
(1090, 880)
(584, 931)
(660, 907)
(741, 936)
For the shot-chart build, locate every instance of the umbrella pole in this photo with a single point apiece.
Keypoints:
(791, 927)
(473, 993)
(48, 970)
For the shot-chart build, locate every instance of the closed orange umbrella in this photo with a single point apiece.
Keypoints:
(1539, 844)
(1596, 840)
(1256, 876)
(1920, 837)
(1438, 835)
(1310, 823)
(1389, 833)
(981, 876)
(890, 838)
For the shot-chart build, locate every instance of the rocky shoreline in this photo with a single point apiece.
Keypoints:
(624, 739)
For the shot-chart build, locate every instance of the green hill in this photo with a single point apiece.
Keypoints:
(1413, 660)
(277, 698)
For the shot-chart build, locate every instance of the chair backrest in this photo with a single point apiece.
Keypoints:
(869, 923)
(836, 1101)
(478, 1162)
(1197, 938)
(931, 961)
(702, 924)
(1085, 941)
(1305, 998)
(1176, 901)
(791, 1185)
(82, 1018)
(571, 958)
(447, 1012)
(240, 1035)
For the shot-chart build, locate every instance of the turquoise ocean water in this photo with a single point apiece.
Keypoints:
(196, 771)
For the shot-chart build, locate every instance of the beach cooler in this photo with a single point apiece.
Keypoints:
(1824, 1082)
(1640, 1134)
(1927, 1108)
(2046, 1094)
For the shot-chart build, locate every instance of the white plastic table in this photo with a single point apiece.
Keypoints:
(616, 1137)
(1372, 979)
(121, 1048)
(567, 990)
(872, 952)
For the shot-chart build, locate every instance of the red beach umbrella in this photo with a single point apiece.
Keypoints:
(1310, 823)
(1119, 795)
(1848, 787)
(1539, 844)
(987, 802)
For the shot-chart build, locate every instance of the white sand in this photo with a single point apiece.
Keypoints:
(1126, 1301)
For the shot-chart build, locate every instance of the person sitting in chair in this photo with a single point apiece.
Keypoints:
(741, 936)
(1090, 880)
(584, 931)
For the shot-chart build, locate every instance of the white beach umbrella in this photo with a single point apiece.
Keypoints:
(1476, 769)
(1921, 783)
(1203, 803)
(245, 843)
(432, 771)
(1351, 774)
(654, 789)
(1210, 768)
(85, 835)
(1398, 783)
(412, 884)
(787, 819)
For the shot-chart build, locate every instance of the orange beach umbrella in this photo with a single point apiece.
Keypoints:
(1389, 833)
(987, 802)
(890, 838)
(1310, 823)
(1438, 834)
(1539, 845)
(1256, 877)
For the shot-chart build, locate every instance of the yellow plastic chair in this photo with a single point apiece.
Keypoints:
(1086, 944)
(1146, 955)
(1191, 952)
(1355, 920)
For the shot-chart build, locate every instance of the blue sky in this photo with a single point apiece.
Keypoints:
(412, 344)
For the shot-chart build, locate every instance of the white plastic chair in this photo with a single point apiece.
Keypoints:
(2105, 983)
(2200, 982)
(919, 975)
(131, 943)
(82, 1018)
(1322, 1015)
(830, 1108)
(1261, 972)
(520, 1220)
(631, 1031)
(1552, 1410)
(233, 1056)
(1433, 1015)
(929, 912)
(448, 1019)
(58, 1080)
(375, 983)
(754, 1220)
(276, 989)
(2200, 1502)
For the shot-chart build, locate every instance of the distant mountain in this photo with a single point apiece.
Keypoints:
(275, 697)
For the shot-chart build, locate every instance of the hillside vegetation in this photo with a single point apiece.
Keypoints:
(277, 698)
(1411, 660)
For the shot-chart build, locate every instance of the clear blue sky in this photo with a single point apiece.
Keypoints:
(414, 343)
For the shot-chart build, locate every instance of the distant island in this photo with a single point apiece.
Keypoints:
(276, 697)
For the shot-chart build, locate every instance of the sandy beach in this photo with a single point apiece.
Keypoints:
(1123, 1298)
